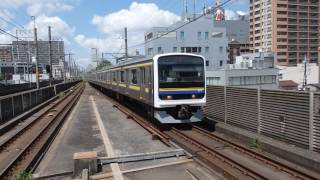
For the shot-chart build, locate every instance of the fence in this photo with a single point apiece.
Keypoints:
(289, 116)
(15, 104)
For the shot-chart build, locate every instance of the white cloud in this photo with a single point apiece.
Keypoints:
(138, 18)
(38, 7)
(232, 15)
(60, 30)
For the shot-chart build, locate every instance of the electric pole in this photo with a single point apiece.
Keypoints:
(126, 42)
(50, 56)
(36, 57)
(305, 73)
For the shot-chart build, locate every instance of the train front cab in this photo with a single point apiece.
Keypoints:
(179, 88)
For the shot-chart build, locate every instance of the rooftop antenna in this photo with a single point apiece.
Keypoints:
(194, 9)
(185, 10)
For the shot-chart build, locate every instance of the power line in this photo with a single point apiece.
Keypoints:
(175, 29)
(11, 23)
(9, 34)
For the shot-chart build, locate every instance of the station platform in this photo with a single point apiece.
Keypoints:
(95, 125)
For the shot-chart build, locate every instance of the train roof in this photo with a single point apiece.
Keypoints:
(139, 59)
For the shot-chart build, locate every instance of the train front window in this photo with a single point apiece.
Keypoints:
(181, 69)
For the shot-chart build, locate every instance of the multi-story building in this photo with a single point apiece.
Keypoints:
(290, 28)
(23, 51)
(5, 53)
(198, 37)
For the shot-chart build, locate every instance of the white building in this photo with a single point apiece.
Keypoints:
(296, 74)
(250, 70)
(198, 37)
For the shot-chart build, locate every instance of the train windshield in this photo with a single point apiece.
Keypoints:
(177, 71)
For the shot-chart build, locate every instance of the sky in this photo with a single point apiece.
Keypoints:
(86, 24)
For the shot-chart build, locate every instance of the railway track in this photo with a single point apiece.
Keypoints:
(232, 159)
(22, 147)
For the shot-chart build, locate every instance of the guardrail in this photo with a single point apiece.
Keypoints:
(15, 104)
(288, 116)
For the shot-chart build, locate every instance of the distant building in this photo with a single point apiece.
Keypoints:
(249, 70)
(296, 74)
(5, 54)
(199, 37)
(235, 49)
(23, 51)
(288, 28)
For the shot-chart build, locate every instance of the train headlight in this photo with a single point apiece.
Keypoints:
(169, 97)
(193, 96)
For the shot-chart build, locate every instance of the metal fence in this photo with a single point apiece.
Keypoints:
(289, 116)
(15, 104)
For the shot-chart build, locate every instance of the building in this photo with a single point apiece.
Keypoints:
(235, 49)
(237, 30)
(23, 51)
(249, 70)
(238, 36)
(5, 53)
(198, 37)
(288, 28)
(296, 73)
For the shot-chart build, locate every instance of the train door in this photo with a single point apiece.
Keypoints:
(142, 83)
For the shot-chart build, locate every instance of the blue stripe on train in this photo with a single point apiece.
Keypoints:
(180, 92)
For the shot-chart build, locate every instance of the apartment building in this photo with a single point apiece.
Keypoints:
(199, 37)
(290, 28)
(23, 51)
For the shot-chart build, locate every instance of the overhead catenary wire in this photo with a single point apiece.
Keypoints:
(11, 23)
(9, 34)
(179, 27)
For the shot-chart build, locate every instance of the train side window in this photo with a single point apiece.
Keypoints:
(113, 76)
(122, 76)
(134, 76)
(143, 75)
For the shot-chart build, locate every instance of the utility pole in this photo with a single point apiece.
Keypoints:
(69, 63)
(36, 57)
(50, 56)
(194, 9)
(126, 42)
(305, 74)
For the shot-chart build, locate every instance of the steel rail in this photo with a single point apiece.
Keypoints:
(279, 165)
(217, 155)
(33, 140)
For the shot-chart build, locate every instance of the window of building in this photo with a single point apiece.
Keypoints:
(221, 63)
(182, 49)
(150, 51)
(213, 80)
(199, 36)
(134, 76)
(207, 49)
(207, 63)
(175, 49)
(206, 35)
(181, 35)
(159, 50)
(220, 49)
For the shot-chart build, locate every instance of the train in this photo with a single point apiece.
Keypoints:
(172, 85)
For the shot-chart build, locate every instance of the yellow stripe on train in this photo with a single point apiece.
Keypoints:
(134, 87)
(182, 89)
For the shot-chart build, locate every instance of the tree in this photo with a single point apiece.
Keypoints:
(103, 63)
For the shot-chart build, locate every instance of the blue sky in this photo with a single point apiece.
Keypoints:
(87, 23)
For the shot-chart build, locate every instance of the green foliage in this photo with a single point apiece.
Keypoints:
(61, 94)
(256, 144)
(103, 63)
(24, 175)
